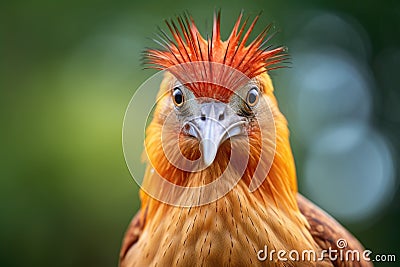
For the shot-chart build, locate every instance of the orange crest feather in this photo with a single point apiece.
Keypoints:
(188, 46)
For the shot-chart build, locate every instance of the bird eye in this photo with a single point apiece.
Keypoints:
(177, 97)
(252, 97)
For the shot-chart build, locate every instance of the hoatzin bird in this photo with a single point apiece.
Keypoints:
(220, 186)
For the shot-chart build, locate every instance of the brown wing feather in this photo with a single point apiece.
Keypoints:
(326, 231)
(132, 234)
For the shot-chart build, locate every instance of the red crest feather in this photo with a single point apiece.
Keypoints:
(188, 46)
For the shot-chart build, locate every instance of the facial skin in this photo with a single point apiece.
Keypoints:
(199, 129)
(212, 122)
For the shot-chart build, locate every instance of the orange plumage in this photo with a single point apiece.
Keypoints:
(200, 97)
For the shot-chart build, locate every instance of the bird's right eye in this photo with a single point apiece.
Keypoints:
(177, 97)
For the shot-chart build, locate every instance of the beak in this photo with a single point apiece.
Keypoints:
(216, 123)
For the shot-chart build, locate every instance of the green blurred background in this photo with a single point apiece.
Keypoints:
(68, 70)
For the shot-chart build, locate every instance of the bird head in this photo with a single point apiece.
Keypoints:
(216, 109)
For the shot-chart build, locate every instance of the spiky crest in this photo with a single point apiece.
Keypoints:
(188, 46)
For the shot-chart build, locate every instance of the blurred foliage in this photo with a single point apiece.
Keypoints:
(68, 70)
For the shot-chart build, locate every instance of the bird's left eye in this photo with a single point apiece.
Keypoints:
(252, 97)
(177, 97)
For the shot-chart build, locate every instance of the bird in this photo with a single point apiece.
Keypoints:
(220, 186)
